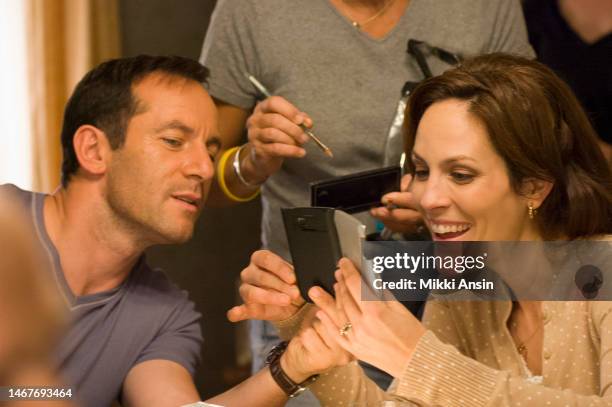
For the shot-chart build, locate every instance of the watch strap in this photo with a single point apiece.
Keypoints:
(289, 387)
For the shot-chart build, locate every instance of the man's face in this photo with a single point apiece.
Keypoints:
(159, 178)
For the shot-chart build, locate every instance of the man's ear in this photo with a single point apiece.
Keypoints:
(92, 149)
(536, 190)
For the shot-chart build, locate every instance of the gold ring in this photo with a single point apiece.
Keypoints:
(346, 329)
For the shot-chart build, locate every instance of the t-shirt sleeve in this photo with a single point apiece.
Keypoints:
(179, 339)
(509, 32)
(230, 52)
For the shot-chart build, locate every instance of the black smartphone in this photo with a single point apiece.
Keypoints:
(314, 246)
(356, 192)
(318, 238)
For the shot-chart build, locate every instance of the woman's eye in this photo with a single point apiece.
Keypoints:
(421, 174)
(172, 142)
(461, 177)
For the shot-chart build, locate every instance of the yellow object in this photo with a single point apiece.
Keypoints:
(221, 178)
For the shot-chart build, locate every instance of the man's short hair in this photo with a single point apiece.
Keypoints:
(104, 99)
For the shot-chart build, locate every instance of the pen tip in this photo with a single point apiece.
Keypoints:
(329, 153)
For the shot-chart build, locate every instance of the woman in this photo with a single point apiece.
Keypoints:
(500, 150)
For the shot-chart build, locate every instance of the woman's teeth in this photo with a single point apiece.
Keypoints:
(442, 229)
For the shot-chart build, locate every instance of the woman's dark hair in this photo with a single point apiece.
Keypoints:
(538, 127)
(103, 98)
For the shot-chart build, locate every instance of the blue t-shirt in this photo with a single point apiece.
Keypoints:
(146, 317)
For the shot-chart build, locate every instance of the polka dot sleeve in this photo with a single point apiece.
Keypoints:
(438, 374)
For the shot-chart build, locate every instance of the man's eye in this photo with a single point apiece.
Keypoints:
(172, 142)
(420, 174)
(461, 177)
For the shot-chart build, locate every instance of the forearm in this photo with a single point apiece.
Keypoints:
(290, 326)
(232, 121)
(438, 374)
(348, 385)
(234, 190)
(259, 390)
(250, 175)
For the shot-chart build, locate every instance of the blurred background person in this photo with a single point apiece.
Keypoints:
(574, 38)
(32, 317)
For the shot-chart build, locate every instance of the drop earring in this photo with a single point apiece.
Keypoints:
(531, 210)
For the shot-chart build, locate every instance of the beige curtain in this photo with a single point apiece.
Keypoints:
(66, 38)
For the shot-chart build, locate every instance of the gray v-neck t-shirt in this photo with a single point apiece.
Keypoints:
(145, 318)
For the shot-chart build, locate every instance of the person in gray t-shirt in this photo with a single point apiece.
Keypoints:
(144, 318)
(138, 138)
(336, 66)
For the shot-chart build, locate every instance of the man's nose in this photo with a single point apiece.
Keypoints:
(199, 164)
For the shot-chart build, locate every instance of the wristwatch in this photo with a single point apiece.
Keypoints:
(291, 388)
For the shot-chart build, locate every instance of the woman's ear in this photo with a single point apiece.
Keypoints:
(92, 149)
(535, 190)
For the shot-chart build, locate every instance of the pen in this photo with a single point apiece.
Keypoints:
(262, 89)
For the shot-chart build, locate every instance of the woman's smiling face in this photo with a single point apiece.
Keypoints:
(461, 184)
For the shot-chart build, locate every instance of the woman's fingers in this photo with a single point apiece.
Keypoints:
(351, 278)
(269, 271)
(326, 303)
(273, 263)
(333, 330)
(251, 294)
(346, 302)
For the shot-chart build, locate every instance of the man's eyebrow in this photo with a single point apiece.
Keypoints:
(175, 125)
(214, 141)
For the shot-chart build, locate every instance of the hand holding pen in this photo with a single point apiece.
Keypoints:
(303, 124)
(275, 132)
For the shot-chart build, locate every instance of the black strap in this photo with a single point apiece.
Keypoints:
(418, 49)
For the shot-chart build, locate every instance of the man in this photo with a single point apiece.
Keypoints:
(138, 139)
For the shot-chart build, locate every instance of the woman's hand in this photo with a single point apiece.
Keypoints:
(268, 289)
(399, 213)
(382, 333)
(312, 351)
